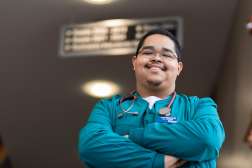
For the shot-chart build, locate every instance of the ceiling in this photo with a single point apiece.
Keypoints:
(42, 106)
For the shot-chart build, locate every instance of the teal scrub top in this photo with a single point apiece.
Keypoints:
(112, 140)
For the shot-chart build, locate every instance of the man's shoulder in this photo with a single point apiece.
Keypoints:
(108, 100)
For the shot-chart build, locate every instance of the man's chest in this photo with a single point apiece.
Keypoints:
(139, 115)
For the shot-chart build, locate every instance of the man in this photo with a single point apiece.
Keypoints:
(153, 127)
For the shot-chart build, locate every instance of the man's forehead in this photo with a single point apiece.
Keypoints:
(159, 41)
(158, 47)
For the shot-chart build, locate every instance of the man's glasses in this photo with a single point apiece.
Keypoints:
(151, 52)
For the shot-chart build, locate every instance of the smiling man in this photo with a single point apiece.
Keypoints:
(156, 66)
(154, 126)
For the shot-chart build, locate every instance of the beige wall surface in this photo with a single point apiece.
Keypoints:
(234, 93)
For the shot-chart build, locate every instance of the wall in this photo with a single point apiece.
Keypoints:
(234, 93)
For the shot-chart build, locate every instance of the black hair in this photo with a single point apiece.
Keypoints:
(162, 32)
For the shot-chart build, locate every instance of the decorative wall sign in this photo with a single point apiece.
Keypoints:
(112, 37)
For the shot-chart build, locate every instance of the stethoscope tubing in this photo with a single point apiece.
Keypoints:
(131, 96)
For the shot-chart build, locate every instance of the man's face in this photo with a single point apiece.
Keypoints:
(156, 65)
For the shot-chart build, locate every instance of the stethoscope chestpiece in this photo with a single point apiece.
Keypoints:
(120, 115)
(128, 97)
(134, 113)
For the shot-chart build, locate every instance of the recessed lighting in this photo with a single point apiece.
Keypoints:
(115, 22)
(99, 2)
(101, 88)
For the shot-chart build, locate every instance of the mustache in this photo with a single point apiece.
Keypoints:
(159, 65)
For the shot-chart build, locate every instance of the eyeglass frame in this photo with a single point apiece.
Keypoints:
(171, 56)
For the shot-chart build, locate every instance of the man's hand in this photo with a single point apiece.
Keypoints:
(179, 163)
(170, 161)
(173, 162)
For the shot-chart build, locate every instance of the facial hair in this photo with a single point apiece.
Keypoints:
(161, 66)
(154, 83)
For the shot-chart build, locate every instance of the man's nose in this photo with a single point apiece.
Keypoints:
(157, 56)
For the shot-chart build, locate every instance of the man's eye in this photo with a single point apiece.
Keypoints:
(166, 55)
(147, 52)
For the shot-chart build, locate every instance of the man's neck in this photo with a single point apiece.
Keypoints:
(158, 92)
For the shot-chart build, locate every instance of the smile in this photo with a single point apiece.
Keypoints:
(155, 67)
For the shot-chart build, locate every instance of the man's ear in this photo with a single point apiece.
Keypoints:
(133, 62)
(180, 67)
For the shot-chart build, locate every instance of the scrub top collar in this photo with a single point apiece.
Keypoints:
(138, 96)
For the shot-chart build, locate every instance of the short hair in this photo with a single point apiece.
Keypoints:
(165, 33)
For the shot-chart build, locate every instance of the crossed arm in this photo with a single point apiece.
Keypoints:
(99, 146)
(199, 139)
(149, 147)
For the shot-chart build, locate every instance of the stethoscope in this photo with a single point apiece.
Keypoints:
(127, 111)
(163, 112)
